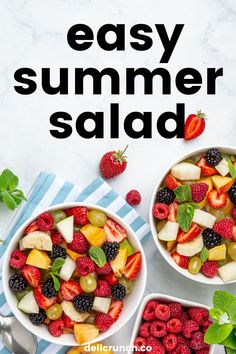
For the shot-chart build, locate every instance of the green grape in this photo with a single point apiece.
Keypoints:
(97, 218)
(88, 283)
(160, 225)
(19, 296)
(232, 250)
(54, 312)
(218, 213)
(91, 319)
(57, 215)
(128, 284)
(195, 265)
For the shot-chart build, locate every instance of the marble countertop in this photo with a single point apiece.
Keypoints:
(33, 34)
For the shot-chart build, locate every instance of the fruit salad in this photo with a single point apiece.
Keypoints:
(195, 214)
(72, 271)
(169, 327)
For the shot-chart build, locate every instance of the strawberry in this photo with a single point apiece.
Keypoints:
(181, 261)
(69, 289)
(171, 182)
(67, 321)
(32, 275)
(190, 235)
(234, 234)
(110, 278)
(194, 125)
(114, 231)
(216, 200)
(42, 301)
(206, 170)
(172, 211)
(115, 309)
(31, 228)
(133, 266)
(113, 163)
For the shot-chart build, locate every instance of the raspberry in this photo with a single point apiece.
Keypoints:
(111, 278)
(149, 311)
(103, 289)
(133, 197)
(158, 329)
(144, 330)
(224, 228)
(199, 191)
(56, 328)
(233, 213)
(205, 325)
(162, 312)
(175, 310)
(18, 259)
(197, 341)
(174, 326)
(56, 238)
(209, 269)
(155, 344)
(84, 266)
(183, 349)
(139, 343)
(198, 314)
(182, 340)
(184, 317)
(202, 351)
(170, 342)
(103, 322)
(160, 210)
(80, 215)
(189, 327)
(106, 269)
(67, 321)
(45, 222)
(79, 243)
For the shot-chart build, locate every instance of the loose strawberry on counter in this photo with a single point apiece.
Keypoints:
(113, 163)
(194, 125)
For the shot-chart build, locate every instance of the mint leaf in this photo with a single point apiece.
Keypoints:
(232, 169)
(98, 256)
(232, 312)
(183, 193)
(216, 333)
(185, 214)
(56, 282)
(230, 351)
(57, 264)
(216, 313)
(204, 254)
(8, 180)
(9, 195)
(8, 200)
(230, 341)
(222, 300)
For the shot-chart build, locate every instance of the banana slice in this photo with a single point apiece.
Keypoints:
(37, 239)
(71, 312)
(190, 248)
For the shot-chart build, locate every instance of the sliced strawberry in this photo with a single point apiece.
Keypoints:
(206, 170)
(114, 231)
(32, 275)
(194, 125)
(216, 200)
(69, 289)
(234, 234)
(181, 261)
(190, 235)
(67, 321)
(43, 302)
(115, 309)
(31, 228)
(110, 278)
(133, 266)
(172, 216)
(171, 182)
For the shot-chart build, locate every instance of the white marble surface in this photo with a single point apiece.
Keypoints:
(33, 34)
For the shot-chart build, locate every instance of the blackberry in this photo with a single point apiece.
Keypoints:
(118, 292)
(165, 195)
(232, 193)
(213, 157)
(17, 283)
(38, 318)
(111, 250)
(83, 303)
(48, 289)
(57, 251)
(211, 238)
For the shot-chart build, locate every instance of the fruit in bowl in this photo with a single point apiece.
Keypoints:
(72, 270)
(194, 213)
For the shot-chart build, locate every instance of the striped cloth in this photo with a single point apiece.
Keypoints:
(50, 190)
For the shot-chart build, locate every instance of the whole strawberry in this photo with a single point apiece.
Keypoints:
(113, 163)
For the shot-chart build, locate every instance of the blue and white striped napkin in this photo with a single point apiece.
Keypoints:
(50, 190)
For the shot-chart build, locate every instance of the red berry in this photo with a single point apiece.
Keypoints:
(45, 222)
(113, 163)
(183, 349)
(32, 275)
(203, 351)
(84, 266)
(170, 342)
(180, 260)
(224, 228)
(56, 238)
(103, 289)
(69, 289)
(111, 278)
(103, 322)
(199, 191)
(174, 326)
(171, 182)
(149, 311)
(162, 312)
(56, 328)
(197, 341)
(184, 317)
(233, 213)
(18, 259)
(133, 197)
(144, 330)
(155, 344)
(189, 327)
(194, 125)
(140, 343)
(106, 269)
(205, 325)
(160, 210)
(31, 228)
(198, 314)
(210, 269)
(175, 310)
(158, 329)
(182, 340)
(80, 215)
(67, 321)
(216, 200)
(79, 243)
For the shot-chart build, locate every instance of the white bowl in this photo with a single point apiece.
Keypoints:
(164, 298)
(199, 277)
(131, 302)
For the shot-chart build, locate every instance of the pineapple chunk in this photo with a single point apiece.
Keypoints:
(222, 184)
(38, 259)
(170, 245)
(118, 264)
(94, 235)
(217, 253)
(98, 348)
(73, 254)
(85, 332)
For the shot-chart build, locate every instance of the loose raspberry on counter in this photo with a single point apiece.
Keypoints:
(80, 215)
(149, 311)
(174, 326)
(133, 197)
(79, 243)
(162, 312)
(45, 222)
(199, 191)
(210, 269)
(170, 342)
(144, 330)
(84, 266)
(56, 237)
(158, 329)
(198, 314)
(106, 269)
(56, 328)
(224, 228)
(160, 211)
(103, 322)
(189, 327)
(103, 289)
(18, 259)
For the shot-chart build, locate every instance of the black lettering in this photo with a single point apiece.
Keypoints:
(119, 42)
(178, 117)
(97, 132)
(114, 120)
(195, 81)
(62, 87)
(145, 118)
(55, 120)
(85, 38)
(212, 75)
(168, 43)
(135, 33)
(19, 76)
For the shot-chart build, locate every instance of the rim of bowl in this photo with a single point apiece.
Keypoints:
(23, 318)
(200, 278)
(162, 297)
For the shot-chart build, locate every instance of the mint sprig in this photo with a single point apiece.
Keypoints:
(204, 254)
(185, 214)
(54, 272)
(9, 194)
(232, 169)
(183, 193)
(98, 256)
